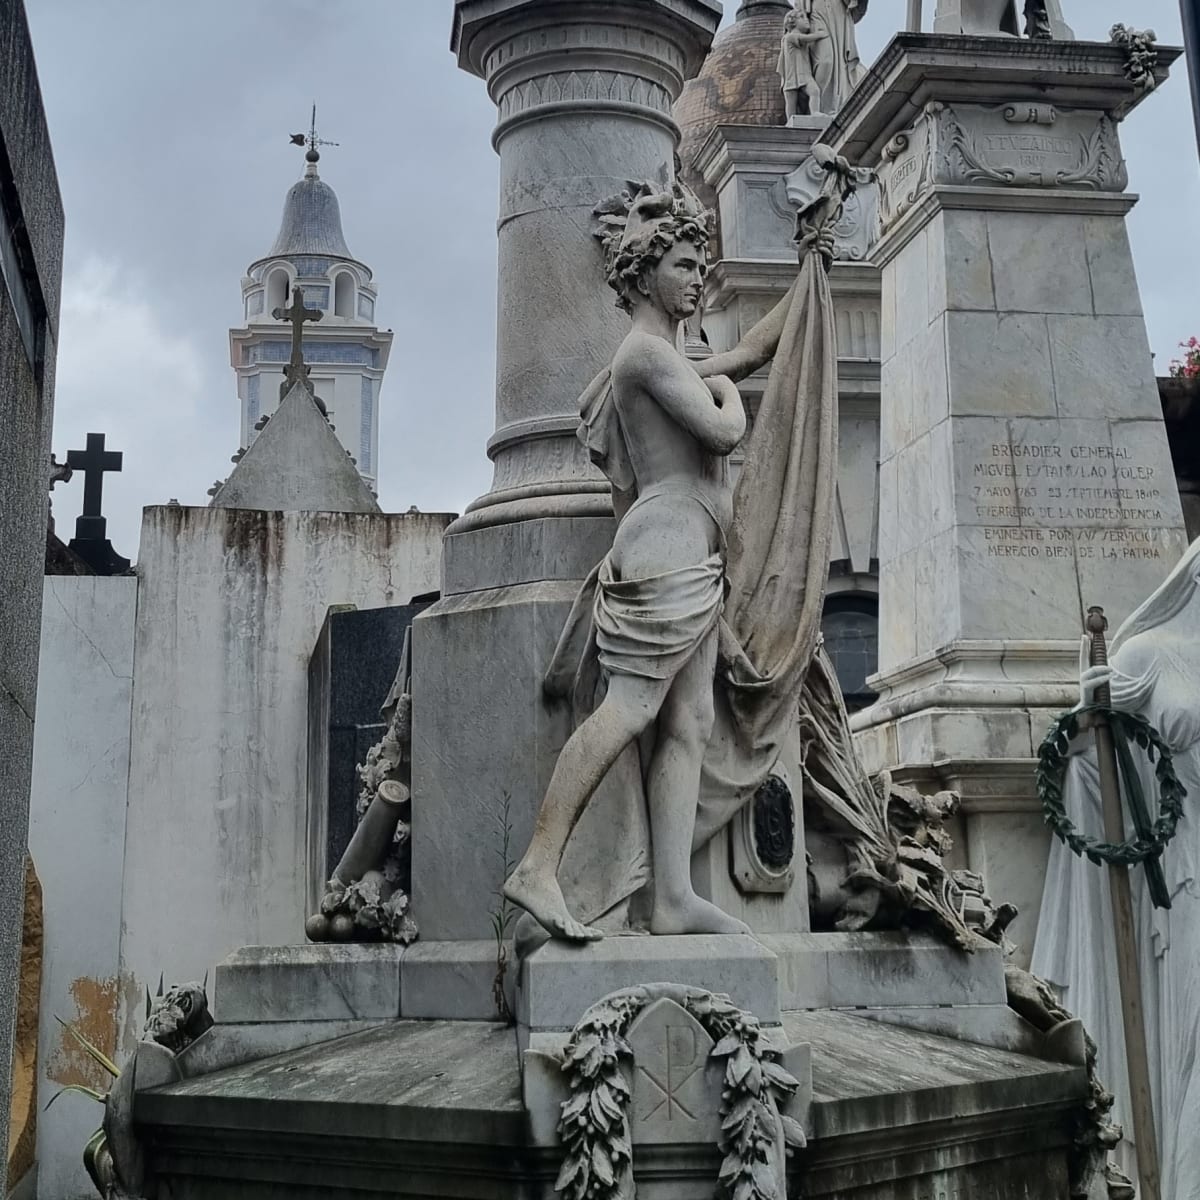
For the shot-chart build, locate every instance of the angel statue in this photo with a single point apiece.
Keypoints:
(1154, 672)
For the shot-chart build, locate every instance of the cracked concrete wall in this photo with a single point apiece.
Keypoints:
(77, 840)
(229, 609)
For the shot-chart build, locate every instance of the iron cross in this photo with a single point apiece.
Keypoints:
(94, 462)
(297, 314)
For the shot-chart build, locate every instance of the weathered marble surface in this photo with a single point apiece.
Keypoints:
(436, 1107)
(308, 983)
(230, 606)
(1022, 450)
(297, 464)
(992, 18)
(26, 411)
(484, 744)
(559, 982)
(570, 131)
(551, 988)
(77, 799)
(881, 970)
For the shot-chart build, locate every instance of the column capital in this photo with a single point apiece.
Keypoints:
(541, 57)
(917, 69)
(950, 120)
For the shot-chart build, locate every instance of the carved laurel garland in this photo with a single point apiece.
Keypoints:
(594, 1126)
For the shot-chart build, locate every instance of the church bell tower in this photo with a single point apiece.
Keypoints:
(346, 351)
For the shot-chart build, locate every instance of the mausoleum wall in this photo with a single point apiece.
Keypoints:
(231, 603)
(77, 841)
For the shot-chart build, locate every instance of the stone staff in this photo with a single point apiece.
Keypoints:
(1132, 1010)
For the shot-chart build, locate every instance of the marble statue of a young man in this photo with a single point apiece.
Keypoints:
(659, 591)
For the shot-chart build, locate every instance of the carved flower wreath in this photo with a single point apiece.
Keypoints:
(594, 1126)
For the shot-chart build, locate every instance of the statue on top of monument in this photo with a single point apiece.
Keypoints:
(820, 34)
(797, 64)
(697, 629)
(990, 18)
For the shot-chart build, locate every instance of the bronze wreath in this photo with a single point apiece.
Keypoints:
(1151, 839)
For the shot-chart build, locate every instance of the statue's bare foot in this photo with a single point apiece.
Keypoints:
(538, 893)
(693, 915)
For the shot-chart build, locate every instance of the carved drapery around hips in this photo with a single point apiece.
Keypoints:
(1018, 145)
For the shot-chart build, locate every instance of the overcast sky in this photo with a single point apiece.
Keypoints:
(170, 124)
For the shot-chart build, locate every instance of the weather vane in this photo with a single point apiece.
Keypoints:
(311, 140)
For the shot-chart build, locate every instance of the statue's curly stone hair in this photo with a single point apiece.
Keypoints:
(637, 230)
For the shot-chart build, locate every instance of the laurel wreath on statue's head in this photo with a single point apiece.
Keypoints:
(1127, 728)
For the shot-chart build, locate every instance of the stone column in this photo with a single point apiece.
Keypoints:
(584, 90)
(1025, 472)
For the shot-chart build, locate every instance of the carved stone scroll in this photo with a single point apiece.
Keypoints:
(1025, 145)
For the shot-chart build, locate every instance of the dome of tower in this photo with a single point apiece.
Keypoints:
(312, 219)
(739, 83)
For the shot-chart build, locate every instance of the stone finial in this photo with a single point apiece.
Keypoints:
(1141, 55)
(59, 472)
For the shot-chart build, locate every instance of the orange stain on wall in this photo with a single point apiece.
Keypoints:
(95, 1017)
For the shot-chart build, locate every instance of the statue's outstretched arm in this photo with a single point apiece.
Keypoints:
(755, 350)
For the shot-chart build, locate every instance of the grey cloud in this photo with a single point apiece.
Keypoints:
(170, 125)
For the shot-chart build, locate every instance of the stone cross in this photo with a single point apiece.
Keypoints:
(94, 462)
(297, 314)
(90, 541)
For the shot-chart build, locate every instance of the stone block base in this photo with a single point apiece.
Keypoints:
(436, 1108)
(558, 983)
(882, 970)
(767, 975)
(308, 983)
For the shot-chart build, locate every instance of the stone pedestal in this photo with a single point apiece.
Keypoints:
(915, 1078)
(230, 605)
(584, 92)
(1025, 472)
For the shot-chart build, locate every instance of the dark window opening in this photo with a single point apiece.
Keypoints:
(18, 269)
(851, 628)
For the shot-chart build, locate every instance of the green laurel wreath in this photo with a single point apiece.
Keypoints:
(1151, 839)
